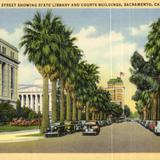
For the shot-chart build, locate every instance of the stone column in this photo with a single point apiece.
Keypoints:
(31, 101)
(15, 82)
(22, 100)
(9, 81)
(36, 103)
(5, 80)
(27, 101)
(0, 78)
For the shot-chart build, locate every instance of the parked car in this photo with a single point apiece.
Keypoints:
(146, 123)
(143, 122)
(109, 121)
(91, 128)
(69, 127)
(77, 126)
(157, 128)
(56, 129)
(151, 125)
(83, 122)
(100, 123)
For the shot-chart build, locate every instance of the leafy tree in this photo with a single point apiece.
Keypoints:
(116, 110)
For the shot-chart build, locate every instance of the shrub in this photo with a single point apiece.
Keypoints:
(32, 115)
(7, 112)
(18, 108)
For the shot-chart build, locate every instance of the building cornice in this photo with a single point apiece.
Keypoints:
(8, 44)
(9, 58)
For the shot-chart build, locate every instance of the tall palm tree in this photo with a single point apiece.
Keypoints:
(39, 42)
(86, 84)
(65, 47)
(70, 56)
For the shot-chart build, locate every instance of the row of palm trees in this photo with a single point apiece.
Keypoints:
(50, 46)
(145, 74)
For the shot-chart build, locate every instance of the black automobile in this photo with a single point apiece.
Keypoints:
(91, 128)
(77, 126)
(69, 127)
(56, 129)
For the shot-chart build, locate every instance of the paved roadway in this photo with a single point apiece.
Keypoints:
(127, 137)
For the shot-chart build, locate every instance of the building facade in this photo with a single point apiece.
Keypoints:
(31, 96)
(8, 72)
(117, 90)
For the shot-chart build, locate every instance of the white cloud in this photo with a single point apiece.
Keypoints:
(104, 48)
(27, 72)
(111, 51)
(141, 30)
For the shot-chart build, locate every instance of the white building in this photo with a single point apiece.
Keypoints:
(8, 72)
(31, 96)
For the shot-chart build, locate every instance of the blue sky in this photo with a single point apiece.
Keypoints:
(108, 38)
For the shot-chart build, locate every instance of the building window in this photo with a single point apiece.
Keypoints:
(12, 54)
(3, 50)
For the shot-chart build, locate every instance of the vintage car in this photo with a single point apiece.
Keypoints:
(101, 123)
(91, 128)
(56, 129)
(77, 126)
(69, 127)
(157, 128)
(83, 122)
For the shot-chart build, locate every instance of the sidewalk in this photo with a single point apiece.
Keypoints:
(17, 136)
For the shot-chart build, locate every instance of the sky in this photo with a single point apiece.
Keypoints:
(108, 38)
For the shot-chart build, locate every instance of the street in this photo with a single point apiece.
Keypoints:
(126, 137)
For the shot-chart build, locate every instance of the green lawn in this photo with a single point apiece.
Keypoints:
(8, 128)
(32, 135)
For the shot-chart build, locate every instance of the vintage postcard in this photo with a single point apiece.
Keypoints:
(79, 79)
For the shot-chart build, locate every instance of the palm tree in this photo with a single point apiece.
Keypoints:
(86, 84)
(39, 42)
(65, 63)
(69, 59)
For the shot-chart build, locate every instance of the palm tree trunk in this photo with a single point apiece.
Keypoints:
(158, 115)
(144, 114)
(74, 108)
(68, 116)
(98, 115)
(79, 114)
(93, 115)
(105, 116)
(87, 112)
(54, 109)
(45, 107)
(154, 106)
(101, 115)
(62, 100)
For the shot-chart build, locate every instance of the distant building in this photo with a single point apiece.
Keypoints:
(31, 96)
(8, 72)
(117, 90)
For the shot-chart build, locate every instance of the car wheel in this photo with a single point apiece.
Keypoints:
(156, 133)
(83, 134)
